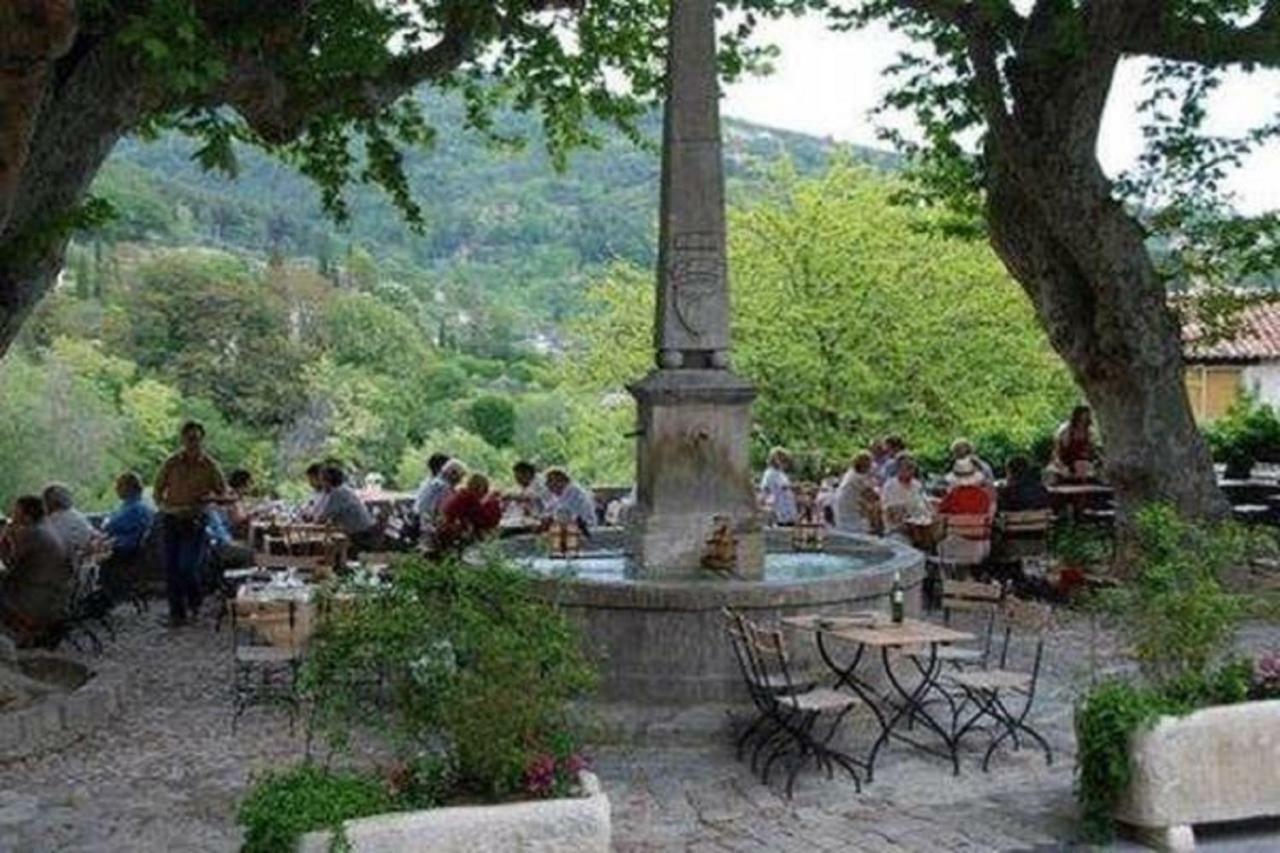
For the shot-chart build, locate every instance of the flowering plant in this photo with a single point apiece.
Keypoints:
(1266, 675)
(554, 774)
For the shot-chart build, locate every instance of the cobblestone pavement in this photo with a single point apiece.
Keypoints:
(167, 774)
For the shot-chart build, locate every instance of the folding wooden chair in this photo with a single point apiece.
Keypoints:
(996, 692)
(796, 713)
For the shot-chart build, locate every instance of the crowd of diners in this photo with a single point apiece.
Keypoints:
(197, 521)
(883, 491)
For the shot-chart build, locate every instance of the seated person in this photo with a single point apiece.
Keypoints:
(344, 510)
(311, 509)
(1023, 489)
(893, 447)
(468, 514)
(435, 491)
(776, 492)
(529, 496)
(903, 501)
(127, 527)
(35, 589)
(67, 523)
(238, 514)
(857, 501)
(967, 490)
(1075, 453)
(570, 503)
(962, 448)
(224, 551)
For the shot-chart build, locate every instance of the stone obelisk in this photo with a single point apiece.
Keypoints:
(694, 413)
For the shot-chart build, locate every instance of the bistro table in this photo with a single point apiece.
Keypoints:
(903, 704)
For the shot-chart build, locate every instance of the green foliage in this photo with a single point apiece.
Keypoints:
(1078, 545)
(214, 330)
(1248, 433)
(853, 319)
(476, 453)
(282, 806)
(1115, 710)
(493, 419)
(1173, 611)
(54, 426)
(1178, 620)
(1110, 714)
(474, 668)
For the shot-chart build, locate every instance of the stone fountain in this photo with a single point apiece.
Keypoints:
(648, 606)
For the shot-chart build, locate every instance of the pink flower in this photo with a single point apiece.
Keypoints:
(575, 764)
(540, 775)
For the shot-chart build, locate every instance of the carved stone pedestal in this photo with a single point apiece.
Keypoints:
(692, 465)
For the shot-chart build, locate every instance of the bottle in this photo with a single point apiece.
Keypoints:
(897, 599)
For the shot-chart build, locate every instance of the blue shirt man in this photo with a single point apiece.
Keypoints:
(128, 525)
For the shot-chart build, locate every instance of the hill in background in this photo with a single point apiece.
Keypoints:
(501, 225)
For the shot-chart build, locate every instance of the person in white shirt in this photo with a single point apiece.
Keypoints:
(569, 502)
(903, 500)
(857, 502)
(434, 492)
(67, 523)
(775, 488)
(529, 496)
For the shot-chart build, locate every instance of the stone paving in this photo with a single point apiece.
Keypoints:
(167, 774)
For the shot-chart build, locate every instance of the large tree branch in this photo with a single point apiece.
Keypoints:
(33, 34)
(1168, 36)
(277, 108)
(995, 16)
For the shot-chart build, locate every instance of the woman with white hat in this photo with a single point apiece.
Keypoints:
(967, 490)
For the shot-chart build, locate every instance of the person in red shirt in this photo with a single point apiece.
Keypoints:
(968, 492)
(468, 514)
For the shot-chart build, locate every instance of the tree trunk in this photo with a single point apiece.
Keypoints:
(1083, 262)
(92, 100)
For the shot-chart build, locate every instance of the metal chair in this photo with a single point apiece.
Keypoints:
(966, 540)
(761, 687)
(266, 642)
(993, 691)
(796, 713)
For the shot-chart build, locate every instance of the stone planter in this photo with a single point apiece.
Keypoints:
(89, 696)
(1217, 764)
(573, 825)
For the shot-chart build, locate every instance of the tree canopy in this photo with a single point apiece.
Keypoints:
(854, 317)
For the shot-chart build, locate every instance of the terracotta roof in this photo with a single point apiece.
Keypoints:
(1258, 338)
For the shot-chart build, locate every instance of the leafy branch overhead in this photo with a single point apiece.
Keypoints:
(322, 83)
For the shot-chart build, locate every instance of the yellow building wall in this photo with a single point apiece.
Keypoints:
(1212, 389)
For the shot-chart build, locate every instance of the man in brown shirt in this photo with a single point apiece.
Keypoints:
(35, 589)
(187, 481)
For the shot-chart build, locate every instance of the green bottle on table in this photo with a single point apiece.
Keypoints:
(897, 599)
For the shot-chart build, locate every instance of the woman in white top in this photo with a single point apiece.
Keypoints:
(775, 487)
(903, 499)
(857, 504)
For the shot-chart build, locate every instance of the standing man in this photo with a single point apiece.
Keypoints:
(36, 589)
(187, 482)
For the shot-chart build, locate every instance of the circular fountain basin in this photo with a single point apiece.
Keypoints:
(662, 642)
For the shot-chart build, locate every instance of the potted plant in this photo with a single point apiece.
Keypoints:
(1191, 736)
(1073, 549)
(458, 685)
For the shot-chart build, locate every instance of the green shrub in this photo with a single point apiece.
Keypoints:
(1249, 431)
(1179, 621)
(1077, 545)
(282, 806)
(493, 418)
(1173, 611)
(455, 660)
